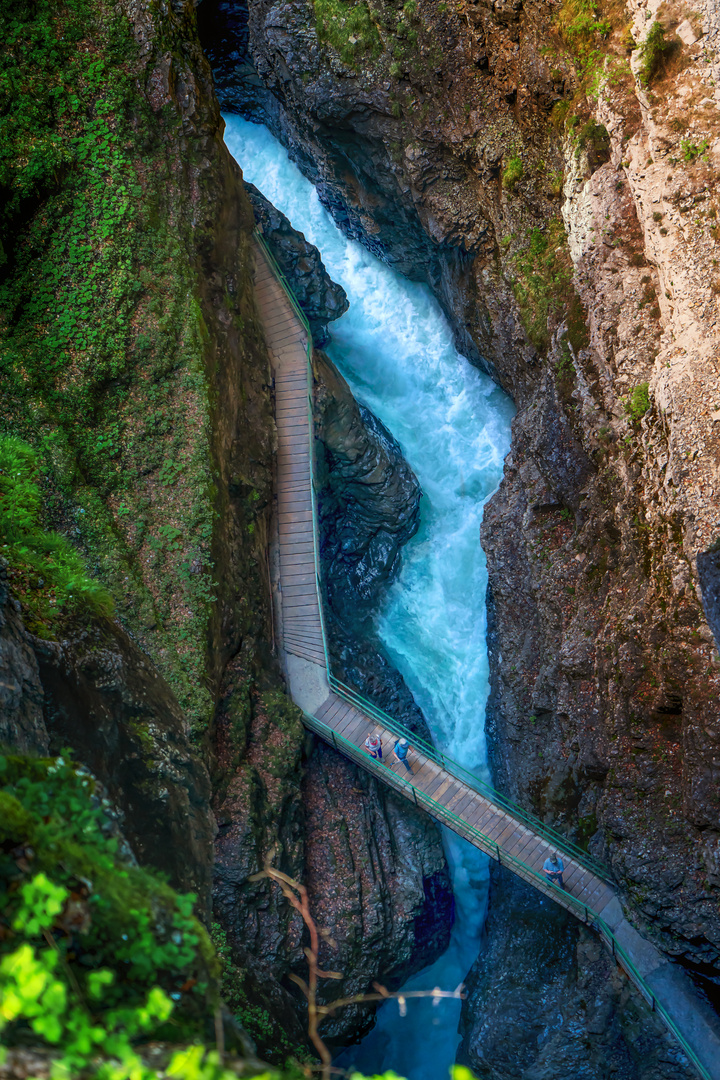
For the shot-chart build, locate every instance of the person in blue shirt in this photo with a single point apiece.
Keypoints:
(401, 753)
(553, 867)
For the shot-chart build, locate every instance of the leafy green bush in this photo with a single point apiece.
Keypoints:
(512, 173)
(45, 570)
(94, 952)
(652, 51)
(637, 403)
(691, 150)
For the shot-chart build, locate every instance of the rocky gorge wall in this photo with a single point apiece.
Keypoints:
(557, 193)
(158, 470)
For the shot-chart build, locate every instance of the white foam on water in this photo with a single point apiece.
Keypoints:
(395, 348)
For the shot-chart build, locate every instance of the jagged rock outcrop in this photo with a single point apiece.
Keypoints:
(322, 299)
(22, 726)
(369, 503)
(96, 693)
(546, 1001)
(375, 871)
(104, 698)
(369, 506)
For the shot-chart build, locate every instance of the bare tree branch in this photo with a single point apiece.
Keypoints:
(297, 895)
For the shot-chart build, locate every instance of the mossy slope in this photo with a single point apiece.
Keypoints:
(130, 353)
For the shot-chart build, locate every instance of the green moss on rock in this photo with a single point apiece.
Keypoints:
(57, 827)
(46, 572)
(111, 369)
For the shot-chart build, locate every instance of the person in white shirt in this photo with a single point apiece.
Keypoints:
(373, 745)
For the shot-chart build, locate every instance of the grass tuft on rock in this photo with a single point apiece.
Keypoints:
(349, 26)
(652, 51)
(513, 172)
(637, 402)
(46, 572)
(543, 286)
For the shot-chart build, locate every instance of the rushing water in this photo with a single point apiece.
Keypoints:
(395, 348)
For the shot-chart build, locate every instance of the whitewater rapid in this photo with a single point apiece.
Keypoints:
(394, 347)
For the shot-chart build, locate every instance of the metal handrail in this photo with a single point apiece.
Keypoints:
(283, 281)
(582, 911)
(547, 832)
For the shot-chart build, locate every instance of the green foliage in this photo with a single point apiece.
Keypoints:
(637, 402)
(652, 51)
(45, 570)
(103, 347)
(93, 951)
(280, 757)
(272, 1043)
(348, 25)
(512, 173)
(582, 28)
(691, 150)
(544, 290)
(595, 140)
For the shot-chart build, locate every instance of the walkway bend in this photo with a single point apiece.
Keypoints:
(343, 718)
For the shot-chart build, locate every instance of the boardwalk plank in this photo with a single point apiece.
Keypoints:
(313, 643)
(329, 709)
(303, 589)
(311, 636)
(299, 580)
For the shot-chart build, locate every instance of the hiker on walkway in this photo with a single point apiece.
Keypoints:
(373, 745)
(553, 868)
(401, 753)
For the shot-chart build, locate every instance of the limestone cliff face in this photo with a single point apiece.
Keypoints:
(574, 255)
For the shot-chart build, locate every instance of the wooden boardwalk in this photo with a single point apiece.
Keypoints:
(302, 630)
(491, 826)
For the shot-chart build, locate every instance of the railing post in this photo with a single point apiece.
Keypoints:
(497, 852)
(415, 796)
(586, 915)
(612, 942)
(333, 739)
(653, 1002)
